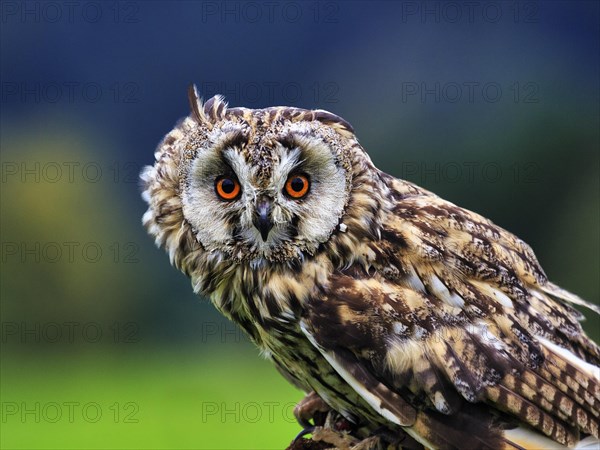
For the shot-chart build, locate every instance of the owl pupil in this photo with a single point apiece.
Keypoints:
(227, 186)
(297, 184)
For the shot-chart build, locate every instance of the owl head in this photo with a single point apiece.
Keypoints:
(251, 185)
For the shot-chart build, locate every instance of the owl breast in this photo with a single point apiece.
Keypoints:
(269, 305)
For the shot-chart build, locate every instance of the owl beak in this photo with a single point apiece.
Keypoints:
(262, 217)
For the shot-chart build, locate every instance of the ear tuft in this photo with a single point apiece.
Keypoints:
(196, 105)
(208, 113)
(215, 108)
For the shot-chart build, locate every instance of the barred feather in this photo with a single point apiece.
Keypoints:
(399, 309)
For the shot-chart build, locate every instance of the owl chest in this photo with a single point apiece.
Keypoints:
(283, 342)
(269, 307)
(271, 317)
(264, 306)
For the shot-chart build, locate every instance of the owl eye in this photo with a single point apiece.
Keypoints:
(297, 186)
(228, 188)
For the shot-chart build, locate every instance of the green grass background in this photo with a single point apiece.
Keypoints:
(165, 400)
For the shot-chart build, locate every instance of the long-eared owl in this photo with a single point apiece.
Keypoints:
(388, 305)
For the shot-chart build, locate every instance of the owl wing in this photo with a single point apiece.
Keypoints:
(455, 334)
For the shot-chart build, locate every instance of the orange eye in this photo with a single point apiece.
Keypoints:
(297, 186)
(227, 188)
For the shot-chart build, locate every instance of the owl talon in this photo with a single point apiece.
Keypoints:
(307, 430)
(311, 407)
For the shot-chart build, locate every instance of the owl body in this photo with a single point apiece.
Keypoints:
(398, 308)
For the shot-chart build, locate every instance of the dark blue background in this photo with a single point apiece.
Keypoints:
(525, 155)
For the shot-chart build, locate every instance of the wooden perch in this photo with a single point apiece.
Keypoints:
(336, 433)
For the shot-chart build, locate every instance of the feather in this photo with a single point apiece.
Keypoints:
(389, 404)
(398, 308)
(564, 295)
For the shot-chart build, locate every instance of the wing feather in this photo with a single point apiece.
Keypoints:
(560, 293)
(386, 402)
(471, 331)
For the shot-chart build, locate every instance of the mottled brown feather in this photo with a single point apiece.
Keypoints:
(436, 315)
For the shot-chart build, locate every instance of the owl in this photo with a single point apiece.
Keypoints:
(400, 312)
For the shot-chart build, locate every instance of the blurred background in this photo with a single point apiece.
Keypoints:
(492, 105)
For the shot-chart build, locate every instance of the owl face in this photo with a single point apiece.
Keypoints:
(261, 187)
